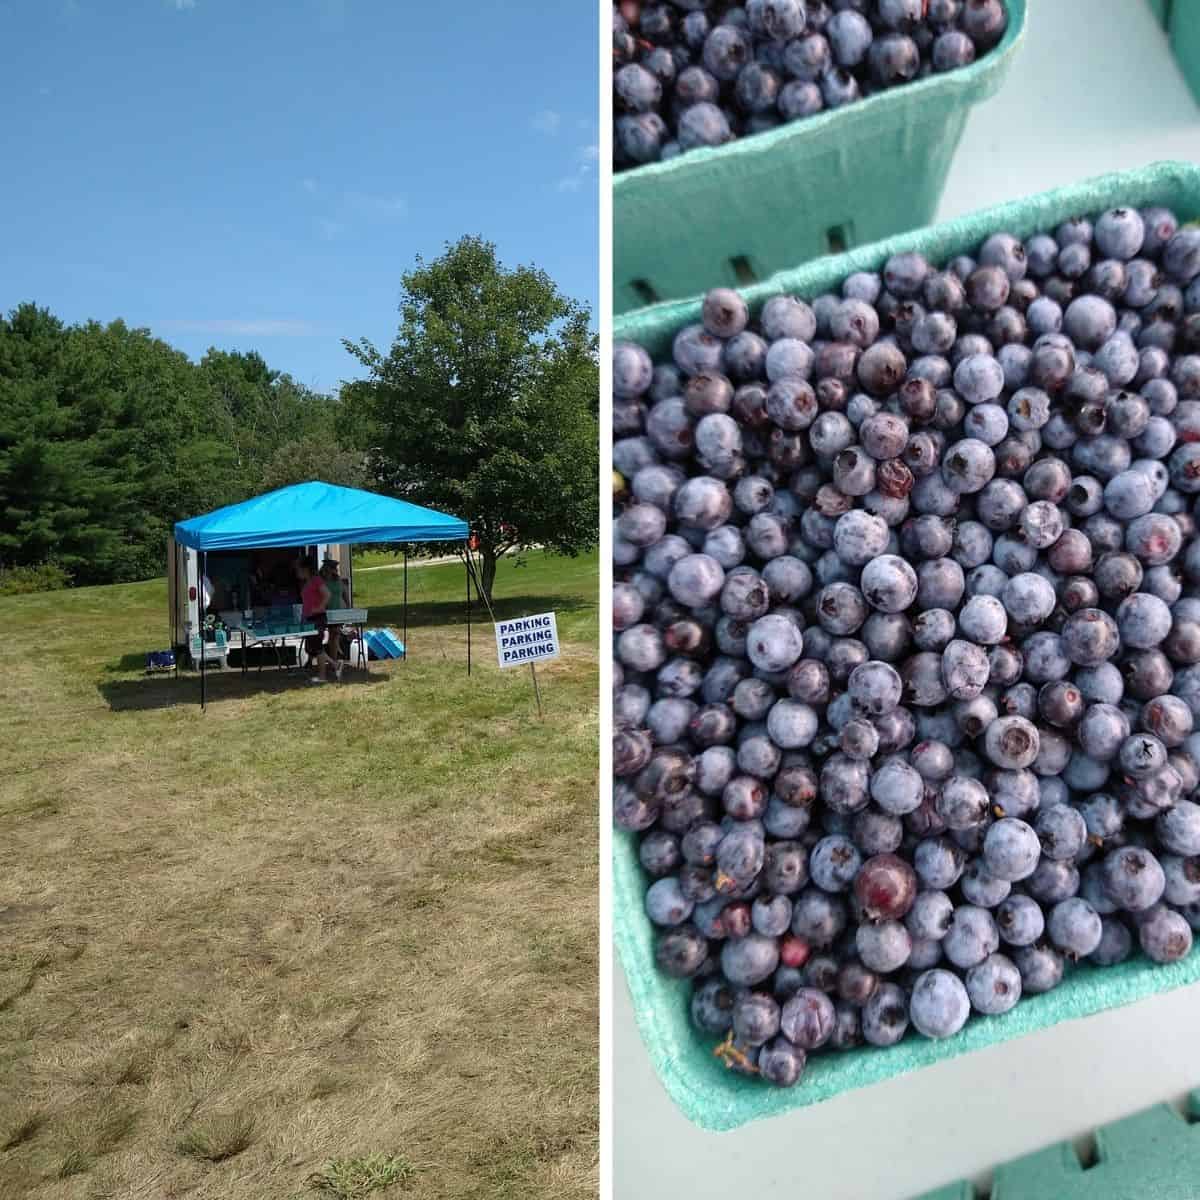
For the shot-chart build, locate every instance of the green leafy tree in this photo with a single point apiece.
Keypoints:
(486, 405)
(305, 459)
(264, 409)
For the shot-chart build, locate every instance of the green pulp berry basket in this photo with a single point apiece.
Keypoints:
(708, 1094)
(1183, 32)
(843, 178)
(1153, 1153)
(1180, 20)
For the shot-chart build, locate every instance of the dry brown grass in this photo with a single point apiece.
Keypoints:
(313, 926)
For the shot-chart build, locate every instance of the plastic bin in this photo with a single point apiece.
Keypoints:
(707, 1093)
(1153, 1153)
(737, 213)
(383, 643)
(1183, 32)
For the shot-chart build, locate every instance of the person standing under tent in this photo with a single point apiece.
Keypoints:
(260, 587)
(337, 599)
(339, 588)
(314, 601)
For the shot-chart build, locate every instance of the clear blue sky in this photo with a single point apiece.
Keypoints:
(257, 174)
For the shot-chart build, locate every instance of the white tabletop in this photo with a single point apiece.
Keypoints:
(1092, 90)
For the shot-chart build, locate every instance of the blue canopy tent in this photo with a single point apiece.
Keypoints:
(309, 514)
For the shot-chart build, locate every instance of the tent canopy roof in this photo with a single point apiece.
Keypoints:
(310, 513)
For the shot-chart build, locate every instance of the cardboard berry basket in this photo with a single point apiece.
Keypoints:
(843, 178)
(709, 1094)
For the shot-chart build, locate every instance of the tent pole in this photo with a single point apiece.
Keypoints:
(406, 604)
(467, 576)
(203, 655)
(474, 569)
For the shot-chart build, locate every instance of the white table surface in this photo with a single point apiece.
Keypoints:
(1073, 106)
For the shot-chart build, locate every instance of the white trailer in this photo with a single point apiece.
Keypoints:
(232, 569)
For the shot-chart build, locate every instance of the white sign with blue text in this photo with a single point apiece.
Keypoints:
(526, 640)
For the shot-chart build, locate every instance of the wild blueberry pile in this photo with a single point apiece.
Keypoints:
(907, 654)
(691, 73)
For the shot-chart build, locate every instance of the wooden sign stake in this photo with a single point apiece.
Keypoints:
(536, 690)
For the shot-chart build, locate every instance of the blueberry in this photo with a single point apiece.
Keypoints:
(665, 905)
(1019, 920)
(843, 787)
(939, 1005)
(1089, 321)
(712, 1006)
(896, 788)
(807, 58)
(979, 378)
(1164, 935)
(1062, 831)
(1133, 878)
(791, 725)
(963, 803)
(808, 1018)
(1011, 848)
(885, 1015)
(994, 985)
(838, 87)
(875, 688)
(1028, 598)
(893, 59)
(636, 90)
(951, 50)
(1074, 927)
(1090, 637)
(1181, 255)
(755, 1018)
(834, 863)
(696, 579)
(1041, 969)
(703, 124)
(799, 99)
(933, 629)
(883, 946)
(781, 1063)
(749, 960)
(1115, 945)
(818, 917)
(1179, 828)
(681, 952)
(850, 37)
(938, 862)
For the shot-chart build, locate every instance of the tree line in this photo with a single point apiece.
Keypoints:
(486, 406)
(108, 436)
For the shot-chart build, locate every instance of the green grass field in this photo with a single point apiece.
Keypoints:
(315, 941)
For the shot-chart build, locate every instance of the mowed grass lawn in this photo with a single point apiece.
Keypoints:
(317, 941)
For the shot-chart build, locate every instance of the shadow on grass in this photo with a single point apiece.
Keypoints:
(422, 614)
(166, 691)
(126, 663)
